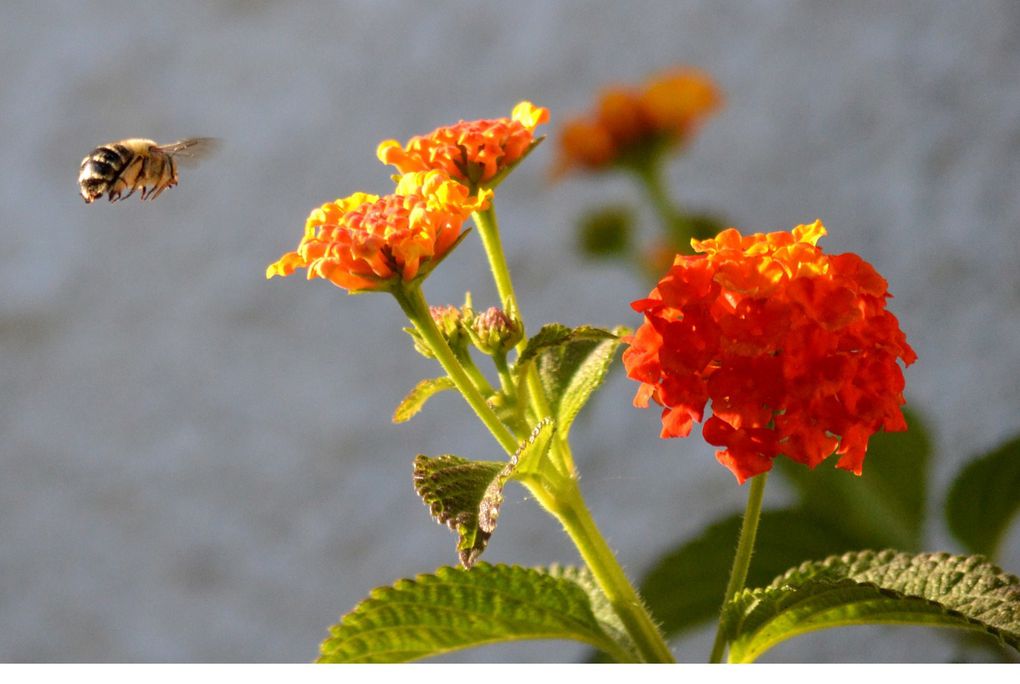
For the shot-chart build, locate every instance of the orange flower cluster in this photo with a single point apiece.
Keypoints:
(367, 242)
(629, 121)
(470, 151)
(794, 348)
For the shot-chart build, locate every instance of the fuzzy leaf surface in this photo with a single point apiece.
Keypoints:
(572, 363)
(984, 498)
(455, 609)
(466, 495)
(415, 400)
(869, 587)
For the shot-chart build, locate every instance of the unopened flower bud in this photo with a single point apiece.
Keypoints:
(495, 332)
(449, 321)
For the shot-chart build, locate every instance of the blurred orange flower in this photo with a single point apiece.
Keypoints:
(367, 242)
(794, 348)
(630, 121)
(470, 151)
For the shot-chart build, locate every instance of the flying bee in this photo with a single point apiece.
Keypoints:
(137, 163)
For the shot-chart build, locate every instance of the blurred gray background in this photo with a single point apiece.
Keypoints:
(198, 464)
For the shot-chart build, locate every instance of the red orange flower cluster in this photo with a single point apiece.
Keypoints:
(367, 242)
(629, 121)
(470, 151)
(794, 348)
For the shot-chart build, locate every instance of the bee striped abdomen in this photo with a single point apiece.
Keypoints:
(134, 164)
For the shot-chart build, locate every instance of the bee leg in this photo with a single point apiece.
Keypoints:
(127, 195)
(113, 195)
(161, 188)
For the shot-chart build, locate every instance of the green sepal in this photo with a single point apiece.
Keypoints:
(454, 609)
(869, 587)
(415, 400)
(984, 498)
(572, 363)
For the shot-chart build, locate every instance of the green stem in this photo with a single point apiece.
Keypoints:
(565, 501)
(674, 221)
(412, 301)
(488, 229)
(479, 380)
(506, 383)
(742, 560)
(569, 508)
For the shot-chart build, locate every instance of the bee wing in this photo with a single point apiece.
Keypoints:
(190, 150)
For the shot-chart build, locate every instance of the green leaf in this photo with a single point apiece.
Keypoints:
(463, 495)
(410, 405)
(686, 586)
(605, 232)
(984, 498)
(868, 587)
(883, 507)
(572, 363)
(455, 609)
(466, 495)
(530, 461)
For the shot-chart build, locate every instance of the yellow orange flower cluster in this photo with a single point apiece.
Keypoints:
(470, 151)
(631, 121)
(794, 348)
(367, 242)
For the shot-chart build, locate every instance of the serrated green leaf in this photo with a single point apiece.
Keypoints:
(885, 506)
(868, 587)
(466, 495)
(455, 609)
(411, 404)
(686, 586)
(572, 363)
(463, 495)
(984, 498)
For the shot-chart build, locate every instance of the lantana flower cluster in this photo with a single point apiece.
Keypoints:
(367, 242)
(794, 349)
(473, 152)
(629, 122)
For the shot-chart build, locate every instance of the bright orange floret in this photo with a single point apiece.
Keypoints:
(367, 242)
(473, 152)
(666, 111)
(794, 348)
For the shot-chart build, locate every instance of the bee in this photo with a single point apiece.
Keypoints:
(136, 163)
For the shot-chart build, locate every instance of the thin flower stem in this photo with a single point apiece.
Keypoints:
(479, 380)
(742, 560)
(506, 383)
(412, 301)
(672, 218)
(488, 229)
(568, 506)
